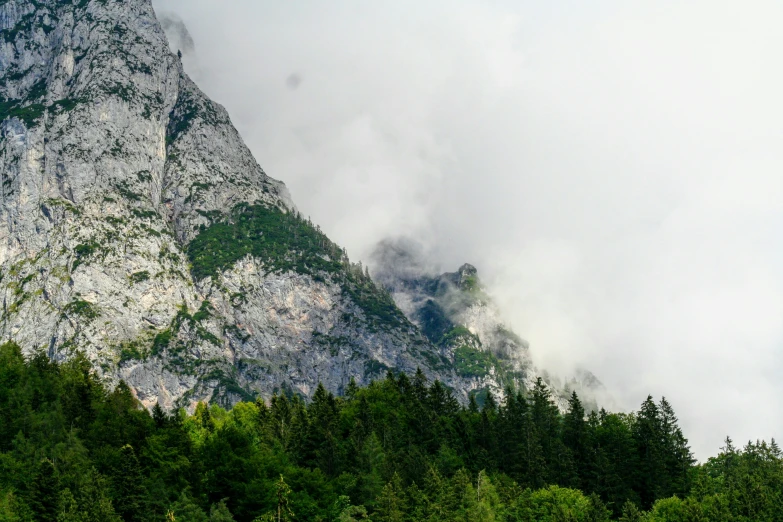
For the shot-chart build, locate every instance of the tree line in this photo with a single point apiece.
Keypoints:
(399, 449)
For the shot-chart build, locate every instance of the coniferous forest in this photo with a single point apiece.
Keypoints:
(400, 449)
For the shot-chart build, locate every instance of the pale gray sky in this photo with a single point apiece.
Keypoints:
(614, 169)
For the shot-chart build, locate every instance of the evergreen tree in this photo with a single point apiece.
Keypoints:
(44, 492)
(158, 416)
(420, 385)
(390, 505)
(575, 438)
(322, 448)
(282, 511)
(94, 499)
(10, 510)
(650, 480)
(127, 481)
(351, 389)
(220, 513)
(185, 509)
(472, 405)
(371, 466)
(678, 457)
(68, 509)
(631, 513)
(597, 510)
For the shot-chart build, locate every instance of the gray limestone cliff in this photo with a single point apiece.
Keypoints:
(137, 228)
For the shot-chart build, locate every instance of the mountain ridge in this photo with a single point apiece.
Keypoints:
(455, 311)
(138, 228)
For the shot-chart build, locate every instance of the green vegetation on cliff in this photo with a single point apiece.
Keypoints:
(284, 241)
(471, 362)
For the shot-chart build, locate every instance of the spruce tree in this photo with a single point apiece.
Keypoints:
(127, 481)
(158, 416)
(68, 509)
(283, 511)
(678, 458)
(187, 510)
(390, 504)
(94, 499)
(44, 492)
(575, 438)
(351, 389)
(220, 512)
(322, 447)
(631, 513)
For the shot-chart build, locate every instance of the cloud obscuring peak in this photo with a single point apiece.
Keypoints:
(612, 169)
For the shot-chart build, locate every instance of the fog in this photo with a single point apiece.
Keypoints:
(614, 170)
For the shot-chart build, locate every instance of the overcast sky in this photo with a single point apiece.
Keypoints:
(614, 169)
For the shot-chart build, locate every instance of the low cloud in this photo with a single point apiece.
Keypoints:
(177, 33)
(613, 170)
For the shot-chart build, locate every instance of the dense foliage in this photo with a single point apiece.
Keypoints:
(282, 240)
(401, 449)
(286, 242)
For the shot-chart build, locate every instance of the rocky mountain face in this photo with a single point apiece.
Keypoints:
(455, 312)
(137, 228)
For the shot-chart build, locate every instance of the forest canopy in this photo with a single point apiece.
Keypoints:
(399, 449)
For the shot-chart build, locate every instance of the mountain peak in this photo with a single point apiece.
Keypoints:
(455, 312)
(468, 277)
(137, 228)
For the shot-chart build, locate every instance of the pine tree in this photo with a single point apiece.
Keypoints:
(575, 439)
(420, 385)
(220, 512)
(472, 406)
(44, 492)
(390, 505)
(158, 416)
(486, 500)
(631, 513)
(280, 410)
(678, 458)
(127, 482)
(597, 510)
(651, 480)
(94, 500)
(68, 508)
(322, 447)
(434, 489)
(490, 404)
(351, 389)
(204, 416)
(185, 509)
(546, 424)
(372, 461)
(283, 511)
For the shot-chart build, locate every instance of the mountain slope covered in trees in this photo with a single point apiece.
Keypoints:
(399, 449)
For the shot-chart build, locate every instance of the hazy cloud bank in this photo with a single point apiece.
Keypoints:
(613, 170)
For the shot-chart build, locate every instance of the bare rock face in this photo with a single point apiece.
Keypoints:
(136, 227)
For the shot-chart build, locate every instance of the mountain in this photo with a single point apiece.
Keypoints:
(455, 312)
(136, 227)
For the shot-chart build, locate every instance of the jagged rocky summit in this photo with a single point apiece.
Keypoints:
(455, 312)
(138, 229)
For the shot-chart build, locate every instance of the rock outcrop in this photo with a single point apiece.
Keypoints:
(136, 227)
(455, 312)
